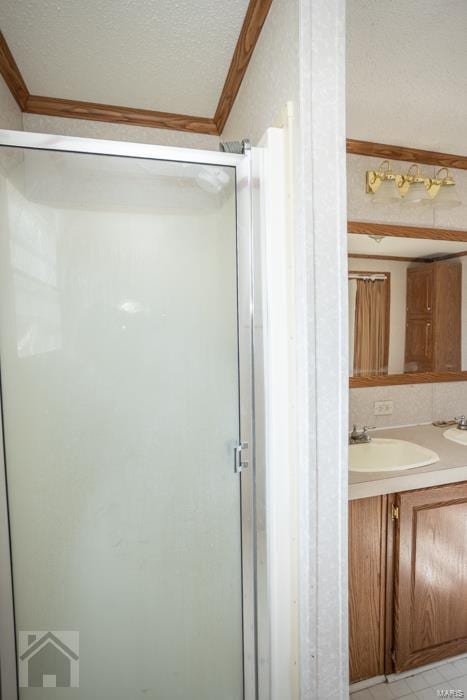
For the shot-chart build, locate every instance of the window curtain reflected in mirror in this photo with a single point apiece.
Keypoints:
(371, 327)
(352, 307)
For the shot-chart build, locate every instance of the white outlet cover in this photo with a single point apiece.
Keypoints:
(383, 408)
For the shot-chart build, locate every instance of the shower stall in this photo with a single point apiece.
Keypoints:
(128, 493)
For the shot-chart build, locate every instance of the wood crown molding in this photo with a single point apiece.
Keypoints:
(12, 75)
(412, 155)
(394, 258)
(55, 107)
(437, 234)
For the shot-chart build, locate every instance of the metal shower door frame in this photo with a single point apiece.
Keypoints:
(249, 497)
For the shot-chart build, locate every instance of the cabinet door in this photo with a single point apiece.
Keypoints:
(419, 345)
(367, 586)
(447, 317)
(431, 576)
(420, 290)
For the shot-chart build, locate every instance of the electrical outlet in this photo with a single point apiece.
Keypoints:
(383, 408)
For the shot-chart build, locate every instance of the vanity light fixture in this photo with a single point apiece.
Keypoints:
(413, 187)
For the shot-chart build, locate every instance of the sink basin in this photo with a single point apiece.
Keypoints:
(456, 435)
(382, 455)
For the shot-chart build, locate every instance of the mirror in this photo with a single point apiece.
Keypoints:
(407, 309)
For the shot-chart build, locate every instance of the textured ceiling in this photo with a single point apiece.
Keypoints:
(166, 55)
(407, 73)
(408, 247)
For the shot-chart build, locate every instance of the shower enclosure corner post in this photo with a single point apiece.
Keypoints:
(247, 421)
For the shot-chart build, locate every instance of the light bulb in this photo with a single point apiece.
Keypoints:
(386, 193)
(417, 193)
(447, 197)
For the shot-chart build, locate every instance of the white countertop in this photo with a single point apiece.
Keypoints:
(452, 466)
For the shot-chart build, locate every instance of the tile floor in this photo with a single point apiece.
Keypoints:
(423, 686)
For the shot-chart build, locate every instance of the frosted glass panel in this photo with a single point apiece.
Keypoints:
(118, 345)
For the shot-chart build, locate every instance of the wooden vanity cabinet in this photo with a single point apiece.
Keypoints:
(367, 586)
(407, 579)
(433, 317)
(430, 589)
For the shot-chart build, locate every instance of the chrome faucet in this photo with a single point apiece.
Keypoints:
(461, 422)
(361, 437)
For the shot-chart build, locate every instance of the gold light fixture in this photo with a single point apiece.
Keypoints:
(386, 186)
(443, 190)
(380, 183)
(413, 187)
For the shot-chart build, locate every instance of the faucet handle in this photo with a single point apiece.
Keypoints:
(461, 422)
(366, 428)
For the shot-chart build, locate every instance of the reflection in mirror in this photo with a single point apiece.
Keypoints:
(407, 305)
(369, 305)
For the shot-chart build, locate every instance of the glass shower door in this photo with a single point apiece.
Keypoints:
(120, 392)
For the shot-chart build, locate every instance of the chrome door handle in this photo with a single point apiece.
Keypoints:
(240, 463)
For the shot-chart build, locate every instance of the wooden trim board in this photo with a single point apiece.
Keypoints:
(402, 231)
(402, 258)
(407, 378)
(412, 155)
(56, 107)
(11, 74)
(396, 258)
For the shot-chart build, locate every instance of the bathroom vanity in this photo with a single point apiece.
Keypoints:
(408, 560)
(407, 522)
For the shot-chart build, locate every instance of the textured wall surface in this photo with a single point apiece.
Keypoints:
(10, 113)
(118, 132)
(418, 403)
(413, 403)
(272, 76)
(165, 55)
(406, 78)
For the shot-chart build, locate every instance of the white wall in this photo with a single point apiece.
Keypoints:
(10, 113)
(398, 272)
(118, 132)
(417, 403)
(413, 403)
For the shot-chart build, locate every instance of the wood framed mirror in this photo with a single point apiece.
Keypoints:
(407, 304)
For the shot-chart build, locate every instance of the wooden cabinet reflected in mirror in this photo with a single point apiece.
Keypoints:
(407, 309)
